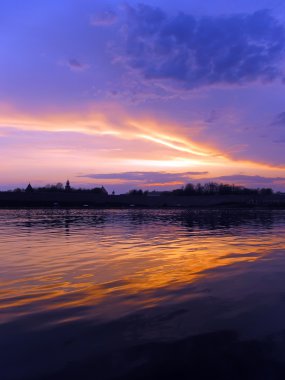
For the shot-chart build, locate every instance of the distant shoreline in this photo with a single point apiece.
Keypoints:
(89, 200)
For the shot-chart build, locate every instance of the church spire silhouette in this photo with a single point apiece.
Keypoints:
(67, 186)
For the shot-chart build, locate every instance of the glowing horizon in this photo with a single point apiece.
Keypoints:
(80, 100)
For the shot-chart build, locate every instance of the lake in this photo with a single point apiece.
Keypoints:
(142, 294)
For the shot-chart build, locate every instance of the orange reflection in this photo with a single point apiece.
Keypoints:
(113, 269)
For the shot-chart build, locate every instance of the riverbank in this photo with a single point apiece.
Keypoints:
(82, 199)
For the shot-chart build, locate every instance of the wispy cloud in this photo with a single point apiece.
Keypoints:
(144, 178)
(279, 120)
(76, 65)
(161, 179)
(106, 18)
(166, 140)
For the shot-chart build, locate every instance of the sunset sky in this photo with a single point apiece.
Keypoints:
(150, 94)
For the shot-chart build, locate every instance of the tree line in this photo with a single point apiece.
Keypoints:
(59, 187)
(210, 188)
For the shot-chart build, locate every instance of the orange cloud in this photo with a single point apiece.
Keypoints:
(158, 144)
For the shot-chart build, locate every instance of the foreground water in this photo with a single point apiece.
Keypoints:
(135, 294)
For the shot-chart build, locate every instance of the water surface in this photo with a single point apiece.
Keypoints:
(106, 294)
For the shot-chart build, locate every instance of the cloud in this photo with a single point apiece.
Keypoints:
(105, 18)
(145, 178)
(147, 143)
(110, 120)
(76, 65)
(176, 180)
(279, 120)
(248, 178)
(191, 52)
(213, 117)
(251, 181)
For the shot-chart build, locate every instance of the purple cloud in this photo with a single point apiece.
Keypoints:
(76, 65)
(279, 120)
(193, 52)
(213, 117)
(105, 18)
(141, 179)
(147, 177)
(250, 181)
(247, 178)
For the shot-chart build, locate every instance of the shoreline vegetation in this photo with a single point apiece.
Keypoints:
(207, 195)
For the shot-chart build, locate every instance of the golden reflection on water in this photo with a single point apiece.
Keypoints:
(112, 264)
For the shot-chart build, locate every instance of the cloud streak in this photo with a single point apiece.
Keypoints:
(106, 18)
(117, 124)
(178, 150)
(279, 120)
(144, 178)
(76, 65)
(176, 180)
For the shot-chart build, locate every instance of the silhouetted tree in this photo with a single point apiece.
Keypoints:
(136, 192)
(99, 190)
(178, 191)
(266, 191)
(189, 189)
(59, 186)
(199, 189)
(212, 188)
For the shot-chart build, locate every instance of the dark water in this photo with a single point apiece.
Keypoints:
(142, 294)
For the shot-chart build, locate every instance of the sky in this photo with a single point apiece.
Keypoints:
(150, 94)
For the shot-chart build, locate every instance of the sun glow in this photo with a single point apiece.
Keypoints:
(122, 144)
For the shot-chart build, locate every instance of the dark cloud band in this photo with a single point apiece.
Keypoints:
(142, 179)
(147, 177)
